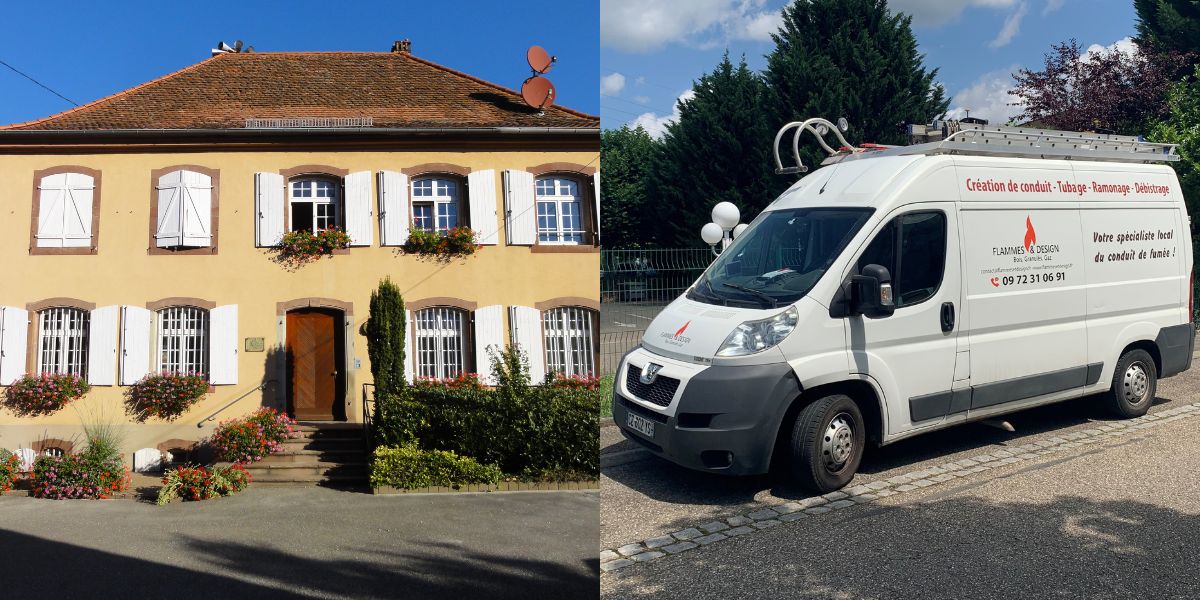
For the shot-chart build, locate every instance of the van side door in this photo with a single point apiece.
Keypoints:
(911, 353)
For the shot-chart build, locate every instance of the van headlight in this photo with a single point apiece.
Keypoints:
(756, 336)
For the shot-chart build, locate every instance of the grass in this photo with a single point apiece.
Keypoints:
(606, 395)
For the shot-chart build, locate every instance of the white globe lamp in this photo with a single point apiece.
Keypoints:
(711, 233)
(739, 229)
(726, 215)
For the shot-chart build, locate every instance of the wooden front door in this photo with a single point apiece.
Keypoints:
(315, 357)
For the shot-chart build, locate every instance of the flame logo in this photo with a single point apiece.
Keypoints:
(682, 329)
(1030, 234)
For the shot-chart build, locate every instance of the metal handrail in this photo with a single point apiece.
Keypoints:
(367, 417)
(256, 388)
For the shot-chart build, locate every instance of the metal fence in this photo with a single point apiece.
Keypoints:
(634, 286)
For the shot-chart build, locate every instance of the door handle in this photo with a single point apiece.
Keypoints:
(947, 316)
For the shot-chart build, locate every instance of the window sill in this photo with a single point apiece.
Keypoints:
(564, 249)
(200, 250)
(51, 251)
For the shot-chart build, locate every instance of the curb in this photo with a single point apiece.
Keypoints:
(607, 422)
(767, 515)
(484, 488)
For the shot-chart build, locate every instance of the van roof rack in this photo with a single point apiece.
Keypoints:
(956, 137)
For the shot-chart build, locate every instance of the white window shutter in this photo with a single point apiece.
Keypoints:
(268, 204)
(77, 226)
(102, 346)
(196, 210)
(169, 231)
(482, 192)
(14, 329)
(520, 212)
(135, 343)
(223, 345)
(393, 208)
(489, 333)
(359, 216)
(596, 196)
(52, 194)
(409, 348)
(527, 335)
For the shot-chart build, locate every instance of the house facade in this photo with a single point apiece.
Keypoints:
(141, 233)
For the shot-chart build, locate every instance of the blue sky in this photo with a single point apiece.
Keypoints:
(652, 50)
(88, 50)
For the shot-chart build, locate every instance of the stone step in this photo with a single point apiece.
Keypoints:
(331, 434)
(326, 444)
(307, 470)
(300, 480)
(315, 456)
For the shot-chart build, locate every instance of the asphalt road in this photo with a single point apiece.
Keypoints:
(1110, 520)
(303, 543)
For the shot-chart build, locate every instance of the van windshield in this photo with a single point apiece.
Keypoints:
(780, 257)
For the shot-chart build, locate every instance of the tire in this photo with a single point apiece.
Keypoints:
(1134, 384)
(827, 443)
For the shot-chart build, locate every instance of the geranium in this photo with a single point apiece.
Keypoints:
(300, 247)
(457, 241)
(464, 381)
(82, 475)
(10, 470)
(253, 438)
(44, 393)
(164, 395)
(575, 382)
(199, 483)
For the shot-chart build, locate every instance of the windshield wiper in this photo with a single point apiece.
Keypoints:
(771, 303)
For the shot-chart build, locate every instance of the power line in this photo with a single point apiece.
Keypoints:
(641, 104)
(43, 86)
(633, 114)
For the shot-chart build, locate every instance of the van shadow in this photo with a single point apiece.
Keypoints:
(39, 568)
(667, 482)
(962, 547)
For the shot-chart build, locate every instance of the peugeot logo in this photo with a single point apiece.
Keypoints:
(650, 373)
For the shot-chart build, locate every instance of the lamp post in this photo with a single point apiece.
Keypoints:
(724, 227)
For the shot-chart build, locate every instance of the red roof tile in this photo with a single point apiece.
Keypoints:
(393, 89)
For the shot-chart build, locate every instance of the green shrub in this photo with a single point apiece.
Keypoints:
(385, 338)
(409, 467)
(542, 430)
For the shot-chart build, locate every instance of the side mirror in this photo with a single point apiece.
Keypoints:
(871, 292)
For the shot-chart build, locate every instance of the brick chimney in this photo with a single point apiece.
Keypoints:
(402, 46)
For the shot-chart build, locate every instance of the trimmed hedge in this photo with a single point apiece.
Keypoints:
(409, 467)
(539, 433)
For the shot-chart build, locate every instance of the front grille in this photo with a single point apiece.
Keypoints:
(638, 409)
(660, 392)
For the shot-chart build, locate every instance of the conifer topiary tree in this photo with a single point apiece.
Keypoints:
(385, 338)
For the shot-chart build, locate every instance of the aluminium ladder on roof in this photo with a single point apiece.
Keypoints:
(982, 140)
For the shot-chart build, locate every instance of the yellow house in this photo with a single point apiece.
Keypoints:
(139, 234)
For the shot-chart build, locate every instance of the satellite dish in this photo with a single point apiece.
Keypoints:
(538, 92)
(539, 60)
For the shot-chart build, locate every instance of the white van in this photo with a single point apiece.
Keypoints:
(903, 290)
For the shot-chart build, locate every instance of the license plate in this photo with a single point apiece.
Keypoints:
(640, 424)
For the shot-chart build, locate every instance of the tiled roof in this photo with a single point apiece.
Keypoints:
(393, 89)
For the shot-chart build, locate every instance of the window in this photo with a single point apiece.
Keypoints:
(63, 341)
(65, 213)
(441, 342)
(184, 209)
(569, 346)
(559, 211)
(315, 203)
(183, 340)
(435, 204)
(919, 239)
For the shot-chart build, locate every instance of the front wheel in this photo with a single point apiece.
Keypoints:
(1134, 384)
(827, 443)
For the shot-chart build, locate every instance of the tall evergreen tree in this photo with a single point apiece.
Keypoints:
(626, 154)
(853, 59)
(718, 150)
(385, 338)
(1168, 25)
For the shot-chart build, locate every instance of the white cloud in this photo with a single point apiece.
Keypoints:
(1011, 27)
(987, 98)
(934, 13)
(641, 80)
(642, 99)
(646, 25)
(1052, 5)
(612, 84)
(655, 125)
(1124, 45)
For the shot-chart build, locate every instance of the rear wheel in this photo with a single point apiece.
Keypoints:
(1134, 384)
(827, 443)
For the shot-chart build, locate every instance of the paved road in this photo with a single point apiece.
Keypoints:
(628, 316)
(1103, 518)
(303, 543)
